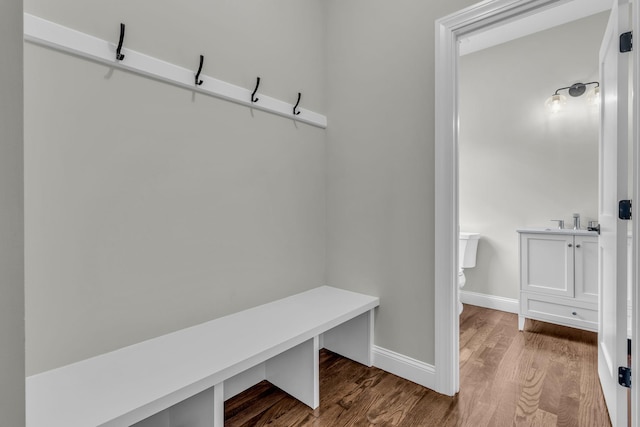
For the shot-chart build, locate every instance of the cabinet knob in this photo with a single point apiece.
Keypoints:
(574, 313)
(570, 245)
(577, 246)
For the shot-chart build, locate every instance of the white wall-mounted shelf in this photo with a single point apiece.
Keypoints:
(47, 33)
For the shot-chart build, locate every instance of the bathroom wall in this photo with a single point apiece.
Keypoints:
(12, 220)
(150, 208)
(380, 159)
(521, 165)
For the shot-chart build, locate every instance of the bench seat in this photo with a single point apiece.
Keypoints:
(125, 386)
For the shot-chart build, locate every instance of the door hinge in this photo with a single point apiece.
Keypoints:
(624, 209)
(624, 376)
(626, 42)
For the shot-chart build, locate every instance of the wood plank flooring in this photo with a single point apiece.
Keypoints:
(544, 376)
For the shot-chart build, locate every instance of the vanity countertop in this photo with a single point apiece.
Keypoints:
(551, 230)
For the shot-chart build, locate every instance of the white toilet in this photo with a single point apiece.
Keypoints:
(467, 249)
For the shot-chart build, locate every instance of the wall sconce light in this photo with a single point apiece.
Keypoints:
(555, 101)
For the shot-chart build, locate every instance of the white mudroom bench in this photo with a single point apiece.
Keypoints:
(183, 378)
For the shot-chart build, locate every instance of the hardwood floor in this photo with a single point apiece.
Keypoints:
(544, 376)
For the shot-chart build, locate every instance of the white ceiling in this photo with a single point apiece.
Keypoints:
(566, 12)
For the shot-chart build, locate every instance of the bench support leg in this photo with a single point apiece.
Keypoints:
(296, 371)
(352, 339)
(218, 405)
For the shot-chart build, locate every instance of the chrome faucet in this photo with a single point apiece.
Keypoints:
(576, 221)
(560, 223)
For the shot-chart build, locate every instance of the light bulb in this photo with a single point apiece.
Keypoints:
(555, 102)
(593, 97)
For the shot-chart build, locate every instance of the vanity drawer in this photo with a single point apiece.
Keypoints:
(558, 310)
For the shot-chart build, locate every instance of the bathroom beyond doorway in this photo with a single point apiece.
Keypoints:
(546, 375)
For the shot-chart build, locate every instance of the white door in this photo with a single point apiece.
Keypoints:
(612, 257)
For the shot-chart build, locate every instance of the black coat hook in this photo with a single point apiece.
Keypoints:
(120, 56)
(198, 81)
(253, 99)
(295, 113)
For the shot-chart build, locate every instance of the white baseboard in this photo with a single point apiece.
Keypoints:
(510, 305)
(404, 367)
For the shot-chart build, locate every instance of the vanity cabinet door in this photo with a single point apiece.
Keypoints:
(547, 264)
(586, 268)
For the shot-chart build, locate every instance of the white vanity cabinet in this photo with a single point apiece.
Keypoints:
(559, 277)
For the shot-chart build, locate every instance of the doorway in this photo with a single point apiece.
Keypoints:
(523, 164)
(448, 32)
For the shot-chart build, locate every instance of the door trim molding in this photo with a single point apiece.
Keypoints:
(448, 30)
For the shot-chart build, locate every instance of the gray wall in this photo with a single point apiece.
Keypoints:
(521, 165)
(149, 208)
(11, 214)
(380, 158)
